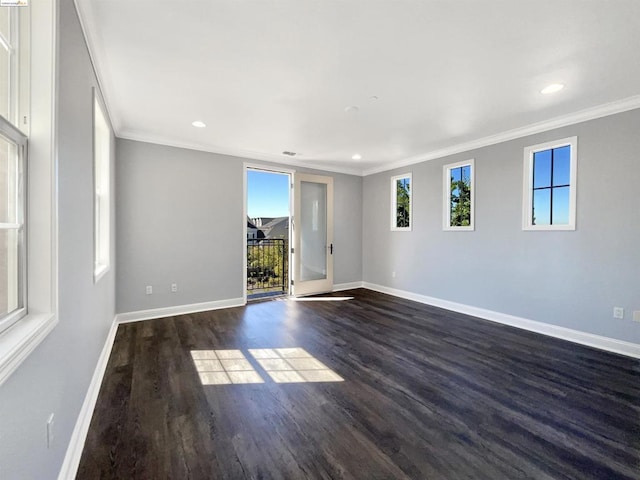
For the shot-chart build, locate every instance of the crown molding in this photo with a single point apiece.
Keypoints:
(86, 16)
(580, 116)
(233, 152)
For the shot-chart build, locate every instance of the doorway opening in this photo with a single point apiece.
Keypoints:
(268, 233)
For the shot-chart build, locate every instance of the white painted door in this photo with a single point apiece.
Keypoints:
(313, 234)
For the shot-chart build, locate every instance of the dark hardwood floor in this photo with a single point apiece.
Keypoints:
(427, 394)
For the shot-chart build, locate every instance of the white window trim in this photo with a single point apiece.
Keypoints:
(527, 203)
(102, 197)
(446, 179)
(16, 137)
(394, 205)
(17, 342)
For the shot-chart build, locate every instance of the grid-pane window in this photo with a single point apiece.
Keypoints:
(12, 231)
(550, 190)
(458, 196)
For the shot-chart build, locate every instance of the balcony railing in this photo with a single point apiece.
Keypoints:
(267, 269)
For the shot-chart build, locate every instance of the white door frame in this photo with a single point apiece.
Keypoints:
(271, 169)
(312, 286)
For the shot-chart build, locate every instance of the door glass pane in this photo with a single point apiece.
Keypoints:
(9, 271)
(313, 225)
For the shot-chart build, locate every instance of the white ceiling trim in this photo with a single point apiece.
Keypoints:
(242, 154)
(599, 111)
(87, 14)
(85, 11)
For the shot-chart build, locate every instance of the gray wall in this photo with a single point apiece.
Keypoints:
(180, 220)
(56, 376)
(571, 279)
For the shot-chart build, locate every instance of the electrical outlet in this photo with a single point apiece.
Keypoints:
(636, 315)
(149, 290)
(50, 431)
(174, 287)
(618, 312)
(393, 274)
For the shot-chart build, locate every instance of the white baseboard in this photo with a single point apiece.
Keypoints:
(76, 443)
(178, 310)
(338, 287)
(604, 343)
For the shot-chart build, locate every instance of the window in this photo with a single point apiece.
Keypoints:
(101, 156)
(14, 64)
(458, 196)
(12, 229)
(401, 202)
(29, 249)
(550, 185)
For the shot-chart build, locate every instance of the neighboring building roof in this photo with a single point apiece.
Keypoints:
(277, 228)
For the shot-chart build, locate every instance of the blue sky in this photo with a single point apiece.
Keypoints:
(267, 194)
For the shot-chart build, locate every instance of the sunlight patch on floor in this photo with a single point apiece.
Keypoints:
(223, 367)
(283, 365)
(293, 365)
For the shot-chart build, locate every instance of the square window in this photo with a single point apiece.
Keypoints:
(550, 185)
(458, 198)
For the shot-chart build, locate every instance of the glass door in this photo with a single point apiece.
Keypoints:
(313, 234)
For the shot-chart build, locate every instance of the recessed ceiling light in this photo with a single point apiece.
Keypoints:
(351, 109)
(373, 97)
(553, 88)
(199, 124)
(357, 156)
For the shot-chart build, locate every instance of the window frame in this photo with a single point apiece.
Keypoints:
(394, 202)
(19, 139)
(101, 189)
(527, 203)
(37, 107)
(446, 206)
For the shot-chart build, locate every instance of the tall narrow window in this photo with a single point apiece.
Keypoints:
(12, 228)
(458, 196)
(101, 155)
(401, 193)
(550, 185)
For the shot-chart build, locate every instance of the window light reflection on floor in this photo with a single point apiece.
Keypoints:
(223, 367)
(293, 365)
(283, 365)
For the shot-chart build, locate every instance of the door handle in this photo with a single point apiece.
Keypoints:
(331, 249)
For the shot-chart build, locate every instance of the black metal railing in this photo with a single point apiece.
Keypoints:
(267, 269)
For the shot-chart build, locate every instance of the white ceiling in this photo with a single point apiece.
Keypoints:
(273, 75)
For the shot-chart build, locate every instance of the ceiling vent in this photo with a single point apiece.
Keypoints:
(289, 154)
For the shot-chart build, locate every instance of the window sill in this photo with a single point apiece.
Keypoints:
(549, 228)
(21, 339)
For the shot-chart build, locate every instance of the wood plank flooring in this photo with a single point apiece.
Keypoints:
(427, 394)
